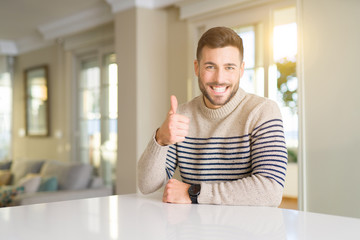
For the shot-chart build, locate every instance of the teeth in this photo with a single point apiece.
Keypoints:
(219, 89)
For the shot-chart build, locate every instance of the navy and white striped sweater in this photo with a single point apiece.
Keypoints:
(218, 159)
(237, 152)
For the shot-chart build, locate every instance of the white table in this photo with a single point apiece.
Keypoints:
(139, 217)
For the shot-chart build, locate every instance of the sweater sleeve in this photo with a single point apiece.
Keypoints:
(155, 167)
(268, 154)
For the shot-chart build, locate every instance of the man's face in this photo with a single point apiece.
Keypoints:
(219, 71)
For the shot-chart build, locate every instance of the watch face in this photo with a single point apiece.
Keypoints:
(194, 190)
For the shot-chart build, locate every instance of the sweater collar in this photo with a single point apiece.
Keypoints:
(224, 110)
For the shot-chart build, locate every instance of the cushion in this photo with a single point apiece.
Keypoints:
(20, 169)
(8, 193)
(96, 182)
(5, 176)
(31, 183)
(5, 165)
(70, 176)
(48, 184)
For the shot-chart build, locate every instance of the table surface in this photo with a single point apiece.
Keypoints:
(146, 217)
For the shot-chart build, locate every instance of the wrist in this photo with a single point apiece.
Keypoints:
(158, 138)
(194, 192)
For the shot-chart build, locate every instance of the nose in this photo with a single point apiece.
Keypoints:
(219, 76)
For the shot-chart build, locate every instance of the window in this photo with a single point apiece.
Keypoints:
(5, 109)
(253, 78)
(97, 114)
(283, 85)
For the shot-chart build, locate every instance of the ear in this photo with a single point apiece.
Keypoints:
(196, 67)
(242, 67)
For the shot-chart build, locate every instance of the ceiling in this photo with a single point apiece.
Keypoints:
(20, 18)
(26, 25)
(29, 22)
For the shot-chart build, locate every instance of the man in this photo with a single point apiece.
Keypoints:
(228, 144)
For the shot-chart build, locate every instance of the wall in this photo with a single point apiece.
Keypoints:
(125, 49)
(331, 52)
(53, 146)
(177, 56)
(141, 48)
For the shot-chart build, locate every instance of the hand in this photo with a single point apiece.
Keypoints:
(175, 127)
(176, 192)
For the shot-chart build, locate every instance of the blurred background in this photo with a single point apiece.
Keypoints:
(113, 64)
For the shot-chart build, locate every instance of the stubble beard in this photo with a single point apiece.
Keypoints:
(214, 101)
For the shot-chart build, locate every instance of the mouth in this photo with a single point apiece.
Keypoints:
(219, 89)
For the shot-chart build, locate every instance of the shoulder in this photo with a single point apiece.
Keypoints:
(259, 104)
(267, 113)
(252, 105)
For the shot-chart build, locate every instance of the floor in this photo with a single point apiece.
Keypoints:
(289, 203)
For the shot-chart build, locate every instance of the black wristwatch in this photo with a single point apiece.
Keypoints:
(194, 192)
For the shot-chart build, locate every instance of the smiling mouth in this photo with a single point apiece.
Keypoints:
(219, 89)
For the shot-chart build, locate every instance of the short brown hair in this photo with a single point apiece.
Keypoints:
(219, 37)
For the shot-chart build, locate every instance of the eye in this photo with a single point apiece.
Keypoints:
(229, 68)
(210, 67)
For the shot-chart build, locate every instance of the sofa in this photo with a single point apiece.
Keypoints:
(40, 181)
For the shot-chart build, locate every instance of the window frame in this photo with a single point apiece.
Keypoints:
(81, 55)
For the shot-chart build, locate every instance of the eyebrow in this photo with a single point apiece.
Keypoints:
(226, 64)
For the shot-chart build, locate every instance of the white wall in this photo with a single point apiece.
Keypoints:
(331, 50)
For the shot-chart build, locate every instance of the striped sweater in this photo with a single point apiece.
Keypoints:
(237, 153)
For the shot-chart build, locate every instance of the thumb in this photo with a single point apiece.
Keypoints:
(174, 104)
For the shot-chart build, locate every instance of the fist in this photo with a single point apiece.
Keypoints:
(176, 192)
(175, 127)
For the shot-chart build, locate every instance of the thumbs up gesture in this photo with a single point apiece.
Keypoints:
(175, 127)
